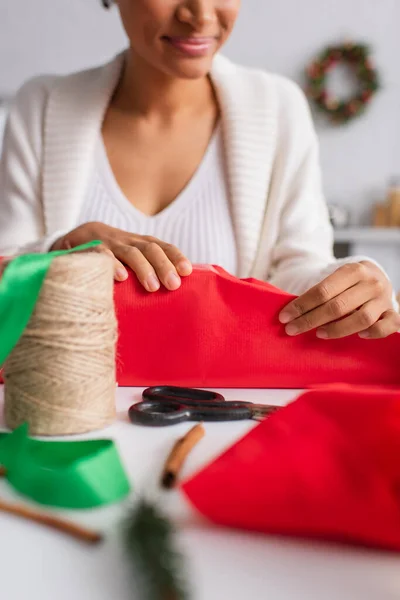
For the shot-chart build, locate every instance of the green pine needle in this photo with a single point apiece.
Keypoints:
(158, 567)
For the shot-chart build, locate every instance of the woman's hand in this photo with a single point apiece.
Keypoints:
(153, 261)
(357, 298)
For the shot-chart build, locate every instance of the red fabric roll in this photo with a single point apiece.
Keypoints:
(219, 331)
(326, 467)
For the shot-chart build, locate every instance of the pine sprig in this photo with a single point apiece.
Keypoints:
(158, 567)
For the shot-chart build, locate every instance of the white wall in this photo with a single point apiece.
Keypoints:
(39, 36)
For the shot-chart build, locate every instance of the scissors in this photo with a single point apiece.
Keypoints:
(168, 405)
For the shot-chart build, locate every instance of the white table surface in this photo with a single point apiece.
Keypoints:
(38, 564)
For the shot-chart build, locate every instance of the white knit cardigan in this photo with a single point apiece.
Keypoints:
(280, 217)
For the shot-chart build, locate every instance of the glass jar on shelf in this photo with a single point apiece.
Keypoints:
(393, 202)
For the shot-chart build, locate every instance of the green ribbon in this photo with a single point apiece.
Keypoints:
(74, 475)
(20, 287)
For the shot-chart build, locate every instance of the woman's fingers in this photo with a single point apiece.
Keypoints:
(344, 278)
(388, 324)
(133, 258)
(362, 319)
(351, 300)
(163, 266)
(153, 261)
(334, 309)
(151, 265)
(120, 272)
(179, 260)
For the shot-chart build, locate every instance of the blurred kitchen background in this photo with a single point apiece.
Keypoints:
(360, 161)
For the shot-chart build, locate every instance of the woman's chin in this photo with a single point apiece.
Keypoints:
(190, 68)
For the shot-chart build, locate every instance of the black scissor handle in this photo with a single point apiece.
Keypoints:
(182, 394)
(159, 414)
(162, 413)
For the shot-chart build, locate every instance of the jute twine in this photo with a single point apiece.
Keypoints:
(60, 378)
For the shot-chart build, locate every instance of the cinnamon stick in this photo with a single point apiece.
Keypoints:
(178, 455)
(80, 533)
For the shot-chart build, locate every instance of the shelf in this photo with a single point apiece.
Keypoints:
(371, 235)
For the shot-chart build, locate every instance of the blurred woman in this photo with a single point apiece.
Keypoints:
(171, 155)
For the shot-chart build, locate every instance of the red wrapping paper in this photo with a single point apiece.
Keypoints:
(219, 331)
(325, 467)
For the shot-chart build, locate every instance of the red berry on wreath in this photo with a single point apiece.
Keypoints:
(313, 71)
(354, 107)
(366, 95)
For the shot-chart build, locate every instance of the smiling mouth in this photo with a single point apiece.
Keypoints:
(192, 46)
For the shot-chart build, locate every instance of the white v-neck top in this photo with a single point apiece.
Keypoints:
(198, 221)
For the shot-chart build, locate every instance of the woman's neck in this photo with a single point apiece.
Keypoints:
(145, 91)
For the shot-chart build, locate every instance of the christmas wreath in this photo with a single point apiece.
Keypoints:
(358, 58)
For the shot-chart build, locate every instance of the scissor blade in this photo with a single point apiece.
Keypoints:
(261, 411)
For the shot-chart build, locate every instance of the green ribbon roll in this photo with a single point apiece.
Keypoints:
(74, 475)
(20, 287)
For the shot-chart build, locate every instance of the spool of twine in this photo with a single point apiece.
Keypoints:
(60, 377)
